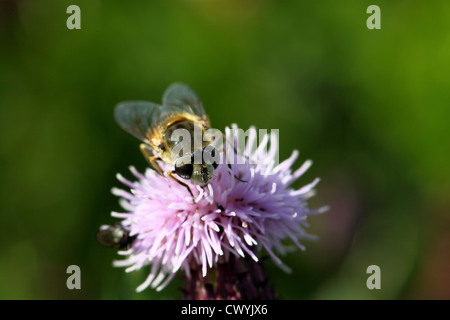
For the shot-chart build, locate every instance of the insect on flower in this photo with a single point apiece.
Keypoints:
(230, 220)
(116, 237)
(157, 126)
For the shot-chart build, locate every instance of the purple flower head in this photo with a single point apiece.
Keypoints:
(243, 210)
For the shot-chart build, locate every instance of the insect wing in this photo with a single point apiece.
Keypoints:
(179, 97)
(137, 117)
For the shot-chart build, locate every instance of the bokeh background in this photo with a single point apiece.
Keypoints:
(370, 107)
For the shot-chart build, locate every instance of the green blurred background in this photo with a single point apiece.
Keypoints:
(370, 107)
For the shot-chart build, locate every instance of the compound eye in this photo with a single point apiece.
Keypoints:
(184, 167)
(184, 171)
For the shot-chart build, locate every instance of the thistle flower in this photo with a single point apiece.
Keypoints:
(244, 209)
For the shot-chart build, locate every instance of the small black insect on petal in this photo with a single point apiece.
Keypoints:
(116, 237)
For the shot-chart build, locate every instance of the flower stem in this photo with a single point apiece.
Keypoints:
(235, 279)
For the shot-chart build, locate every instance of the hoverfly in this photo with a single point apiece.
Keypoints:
(116, 237)
(155, 124)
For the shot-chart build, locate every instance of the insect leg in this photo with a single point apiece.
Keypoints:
(147, 152)
(170, 175)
